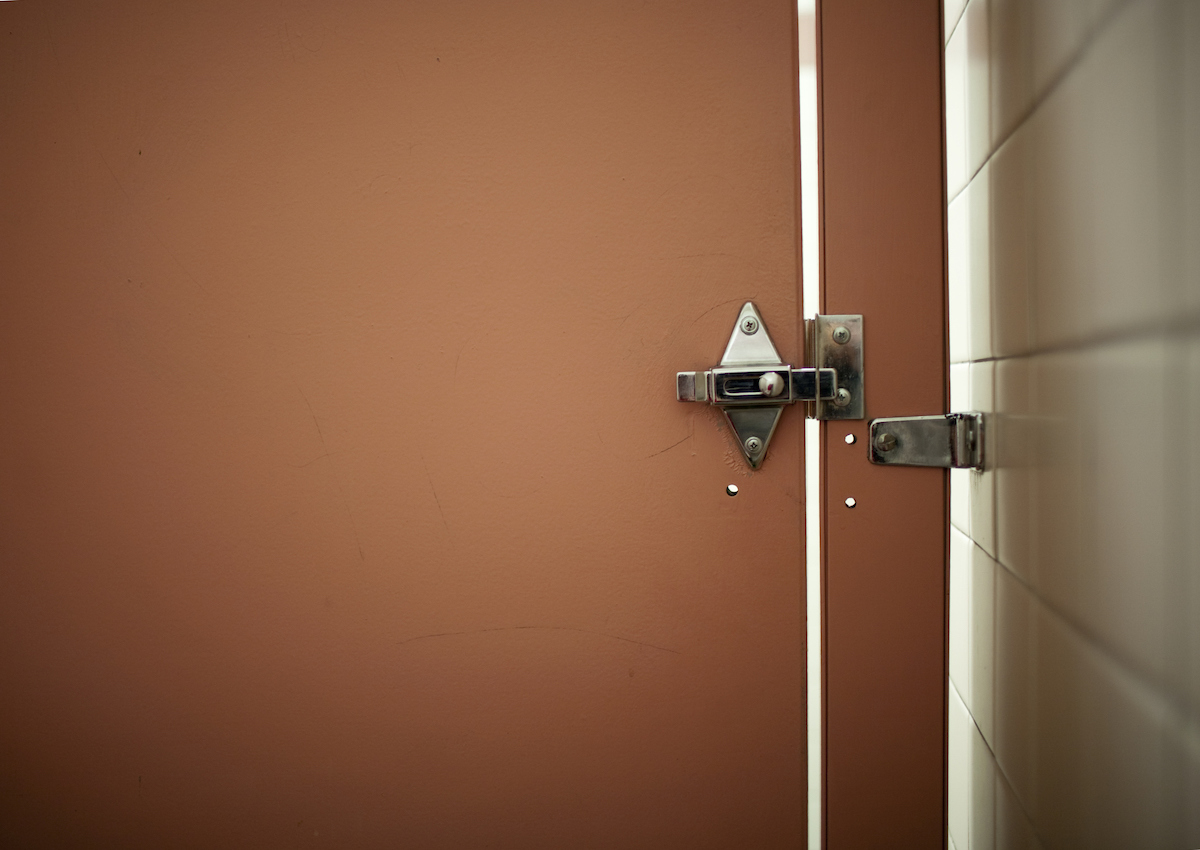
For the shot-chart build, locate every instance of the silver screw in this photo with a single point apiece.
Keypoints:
(749, 325)
(753, 445)
(843, 397)
(841, 334)
(885, 442)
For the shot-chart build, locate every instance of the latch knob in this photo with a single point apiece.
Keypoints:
(771, 384)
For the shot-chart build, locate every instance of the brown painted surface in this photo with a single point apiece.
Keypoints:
(885, 583)
(344, 498)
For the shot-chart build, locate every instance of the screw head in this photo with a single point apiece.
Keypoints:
(841, 334)
(749, 325)
(753, 445)
(842, 398)
(885, 442)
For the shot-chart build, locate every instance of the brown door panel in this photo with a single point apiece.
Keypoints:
(885, 570)
(344, 498)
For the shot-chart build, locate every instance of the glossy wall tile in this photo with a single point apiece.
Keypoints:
(1074, 286)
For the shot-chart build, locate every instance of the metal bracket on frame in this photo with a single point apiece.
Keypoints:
(752, 384)
(952, 440)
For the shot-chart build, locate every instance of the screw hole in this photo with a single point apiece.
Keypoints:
(850, 502)
(850, 438)
(731, 490)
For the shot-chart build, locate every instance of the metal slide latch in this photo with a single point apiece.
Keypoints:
(952, 440)
(752, 384)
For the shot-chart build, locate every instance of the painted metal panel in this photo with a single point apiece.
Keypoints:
(885, 559)
(344, 496)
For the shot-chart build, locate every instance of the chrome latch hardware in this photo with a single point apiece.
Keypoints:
(952, 440)
(836, 342)
(752, 384)
(757, 385)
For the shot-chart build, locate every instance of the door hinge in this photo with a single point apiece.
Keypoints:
(751, 385)
(951, 440)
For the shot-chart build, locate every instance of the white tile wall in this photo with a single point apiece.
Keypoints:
(953, 10)
(972, 772)
(960, 400)
(969, 269)
(1016, 741)
(1190, 509)
(1057, 32)
(981, 635)
(1010, 83)
(974, 24)
(1013, 828)
(968, 122)
(1073, 180)
(981, 829)
(1101, 475)
(958, 272)
(959, 770)
(1189, 110)
(981, 485)
(1014, 432)
(956, 111)
(960, 609)
(1007, 222)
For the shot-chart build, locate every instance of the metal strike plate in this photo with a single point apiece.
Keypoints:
(752, 384)
(950, 441)
(836, 343)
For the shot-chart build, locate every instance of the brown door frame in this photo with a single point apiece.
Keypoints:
(885, 562)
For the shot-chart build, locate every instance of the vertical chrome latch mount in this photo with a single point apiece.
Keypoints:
(836, 342)
(752, 384)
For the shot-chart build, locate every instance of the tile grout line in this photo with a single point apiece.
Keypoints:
(1185, 722)
(1051, 86)
(1172, 703)
(1184, 327)
(1020, 803)
(996, 765)
(974, 722)
(962, 13)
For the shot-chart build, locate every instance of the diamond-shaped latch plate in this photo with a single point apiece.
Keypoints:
(752, 385)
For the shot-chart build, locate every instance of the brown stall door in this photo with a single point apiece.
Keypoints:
(344, 498)
(885, 572)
